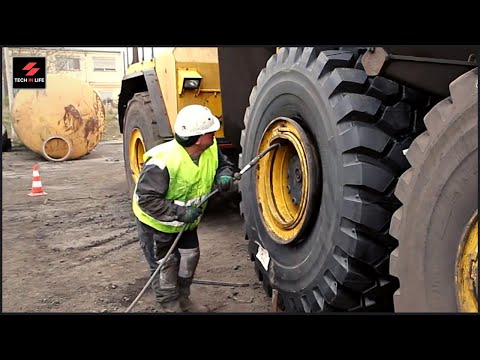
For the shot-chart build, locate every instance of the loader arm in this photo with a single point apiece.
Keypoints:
(426, 68)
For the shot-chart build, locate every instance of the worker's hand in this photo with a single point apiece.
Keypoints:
(225, 183)
(190, 215)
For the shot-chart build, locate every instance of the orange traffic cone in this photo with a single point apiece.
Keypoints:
(37, 189)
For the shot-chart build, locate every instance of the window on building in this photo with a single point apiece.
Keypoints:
(67, 64)
(104, 64)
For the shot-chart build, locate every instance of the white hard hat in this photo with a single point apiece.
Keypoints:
(195, 120)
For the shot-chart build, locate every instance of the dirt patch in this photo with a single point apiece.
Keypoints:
(76, 249)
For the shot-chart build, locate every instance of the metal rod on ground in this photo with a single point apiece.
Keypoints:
(220, 283)
(237, 176)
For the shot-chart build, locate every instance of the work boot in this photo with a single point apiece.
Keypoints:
(186, 304)
(170, 307)
(188, 264)
(165, 286)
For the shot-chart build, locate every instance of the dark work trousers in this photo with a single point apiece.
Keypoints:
(155, 246)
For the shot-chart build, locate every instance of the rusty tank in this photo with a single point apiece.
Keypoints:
(64, 121)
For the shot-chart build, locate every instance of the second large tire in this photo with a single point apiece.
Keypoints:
(358, 129)
(440, 199)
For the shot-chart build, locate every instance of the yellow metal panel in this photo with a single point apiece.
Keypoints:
(196, 55)
(166, 73)
(140, 66)
(209, 92)
(203, 61)
(208, 71)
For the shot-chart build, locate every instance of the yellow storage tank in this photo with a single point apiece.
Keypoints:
(64, 121)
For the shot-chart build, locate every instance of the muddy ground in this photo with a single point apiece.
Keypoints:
(76, 249)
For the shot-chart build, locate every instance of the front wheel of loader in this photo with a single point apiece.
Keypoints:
(437, 226)
(317, 209)
(140, 134)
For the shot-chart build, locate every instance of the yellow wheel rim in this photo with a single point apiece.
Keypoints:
(466, 276)
(284, 191)
(136, 149)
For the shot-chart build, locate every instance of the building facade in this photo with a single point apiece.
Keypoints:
(102, 68)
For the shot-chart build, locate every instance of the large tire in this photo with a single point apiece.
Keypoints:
(359, 126)
(439, 196)
(140, 134)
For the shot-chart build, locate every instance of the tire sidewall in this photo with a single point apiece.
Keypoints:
(449, 183)
(443, 246)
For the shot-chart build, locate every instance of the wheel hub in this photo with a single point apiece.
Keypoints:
(294, 175)
(136, 149)
(284, 185)
(467, 268)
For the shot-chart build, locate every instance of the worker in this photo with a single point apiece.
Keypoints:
(176, 177)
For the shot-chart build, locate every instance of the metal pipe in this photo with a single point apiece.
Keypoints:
(254, 161)
(219, 283)
(134, 55)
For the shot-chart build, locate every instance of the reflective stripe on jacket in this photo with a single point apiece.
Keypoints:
(189, 184)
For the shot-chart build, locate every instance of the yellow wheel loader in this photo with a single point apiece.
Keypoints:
(153, 91)
(370, 203)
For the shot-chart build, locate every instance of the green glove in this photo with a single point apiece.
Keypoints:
(225, 182)
(190, 215)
